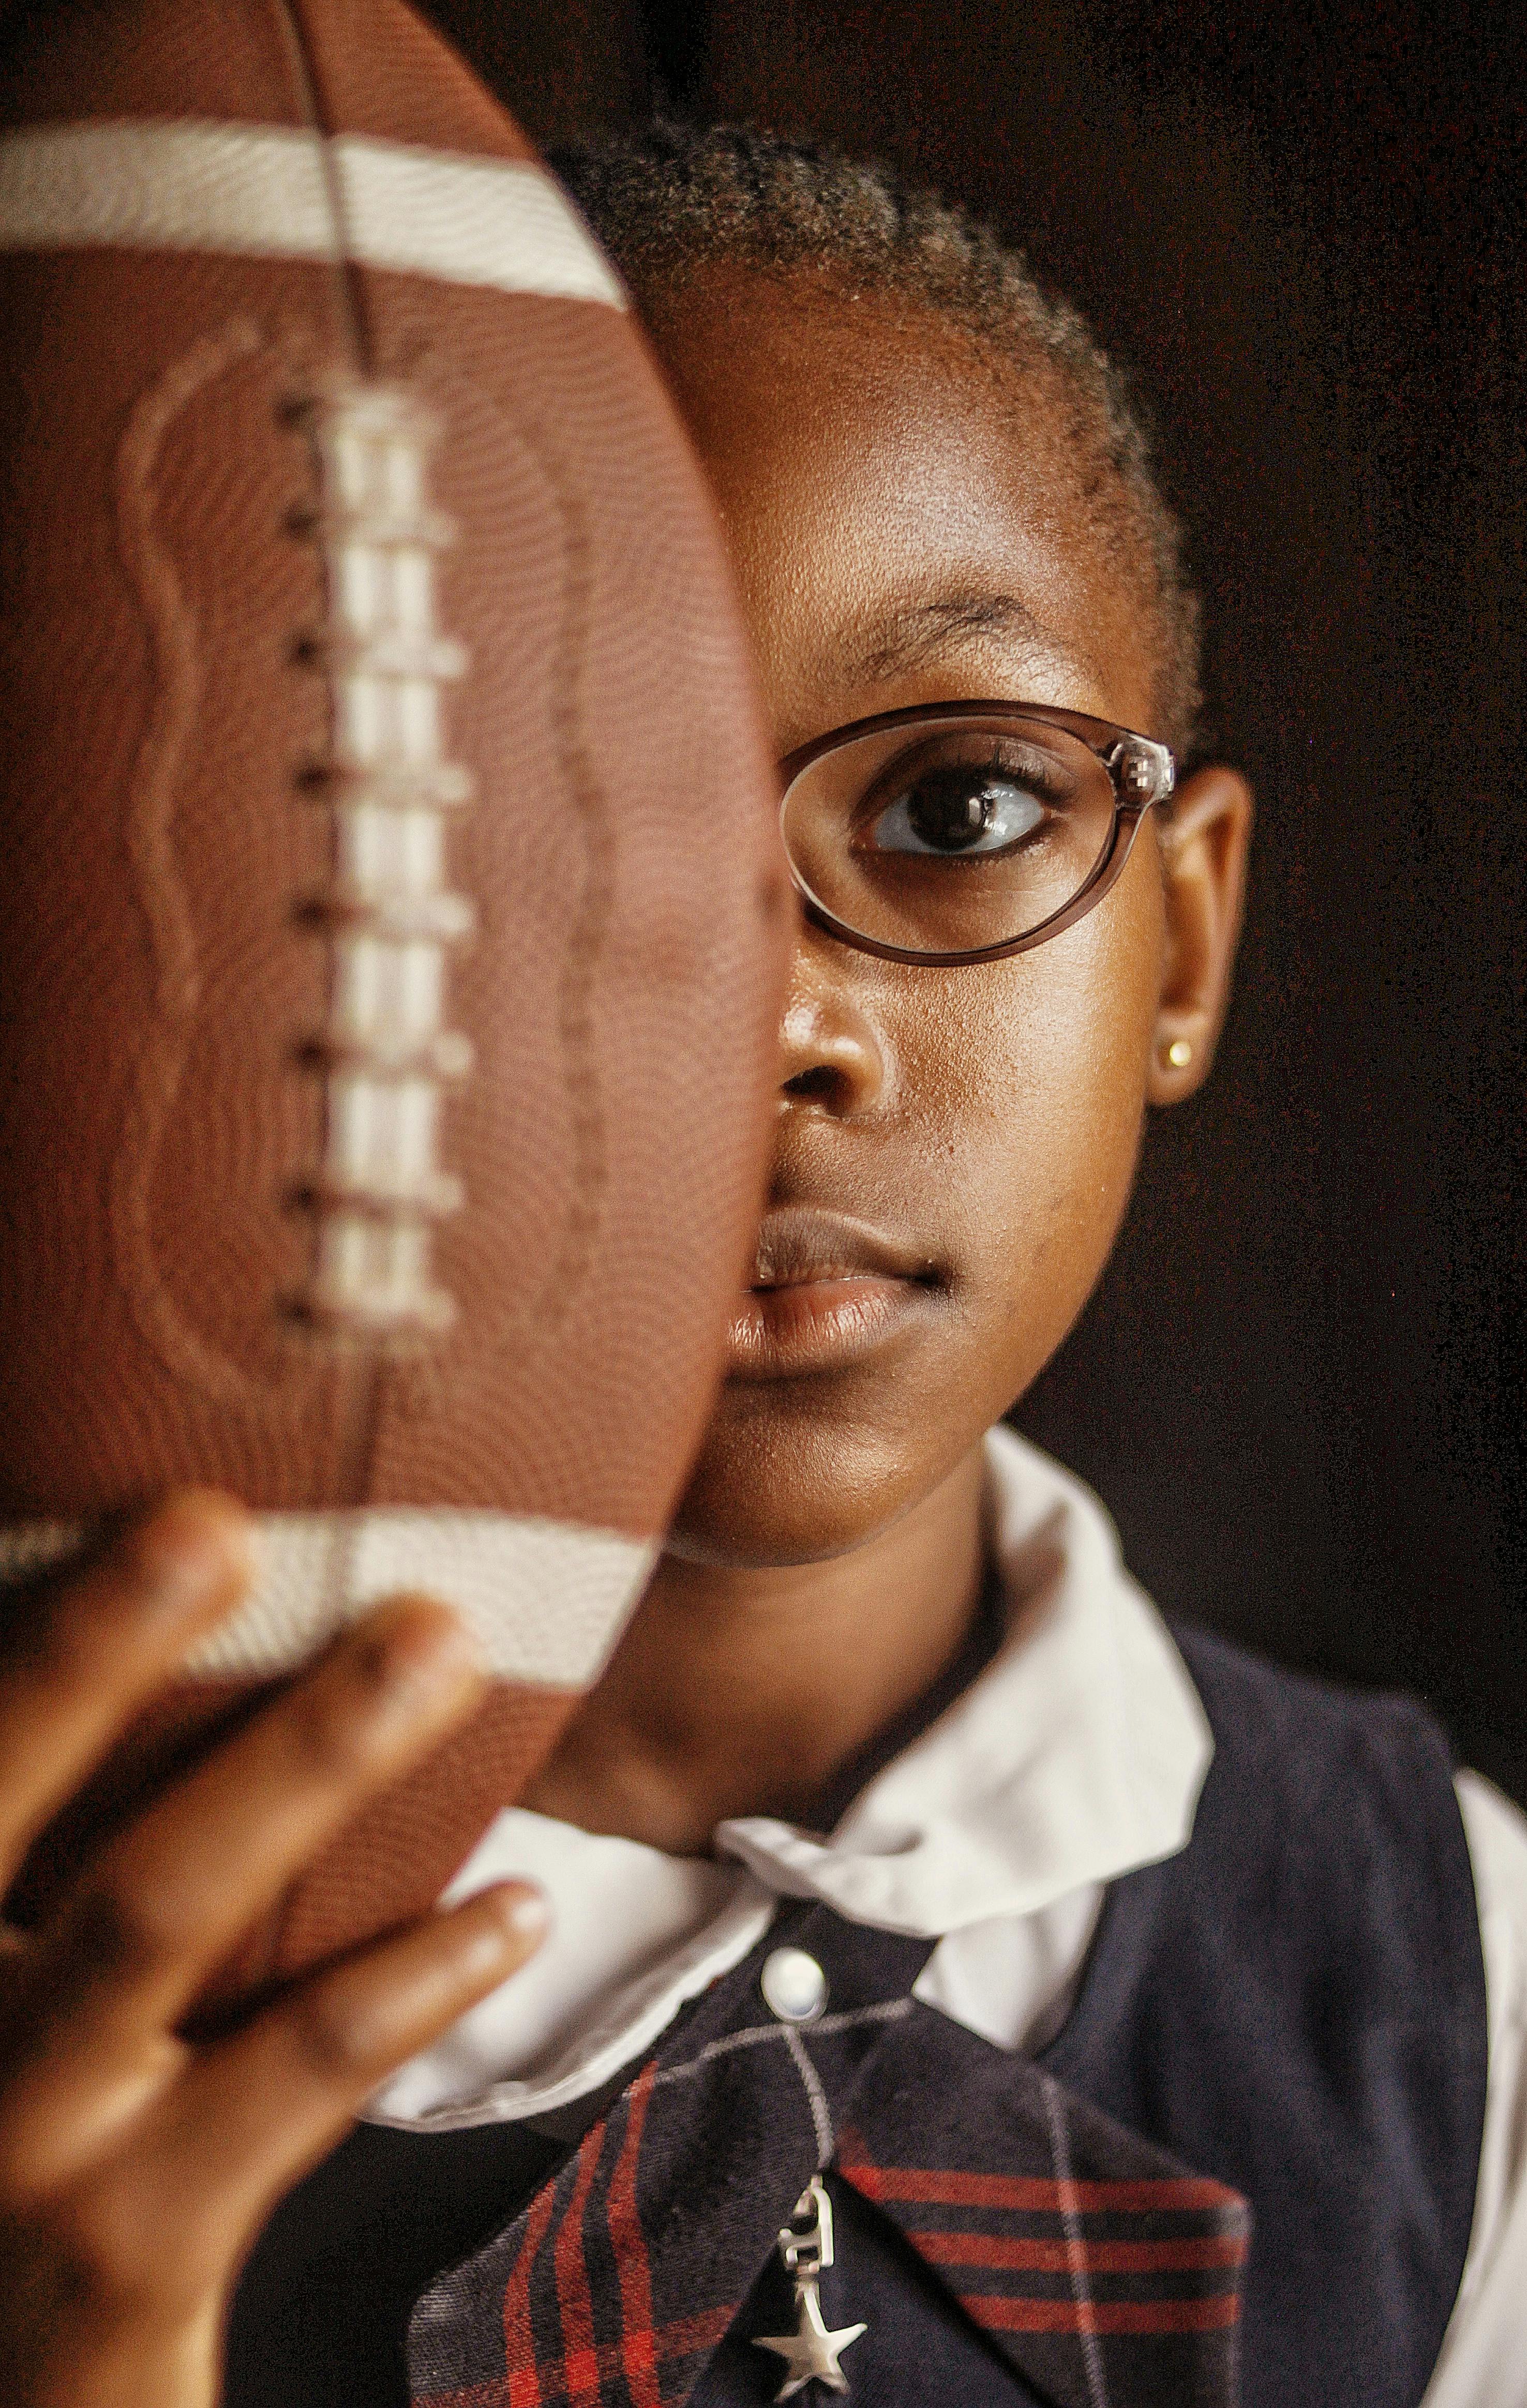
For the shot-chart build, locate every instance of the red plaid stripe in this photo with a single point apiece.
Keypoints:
(1204, 2237)
(927, 2186)
(1196, 2256)
(573, 2368)
(522, 2385)
(1215, 2314)
(580, 2362)
(670, 2344)
(633, 2269)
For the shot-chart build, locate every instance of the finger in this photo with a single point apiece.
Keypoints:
(251, 2114)
(81, 1654)
(164, 1903)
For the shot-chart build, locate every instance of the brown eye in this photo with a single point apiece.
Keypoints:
(956, 809)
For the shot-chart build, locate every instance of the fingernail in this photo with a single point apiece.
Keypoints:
(529, 1915)
(420, 1655)
(520, 1909)
(196, 1547)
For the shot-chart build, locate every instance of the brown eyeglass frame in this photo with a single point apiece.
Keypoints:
(1115, 747)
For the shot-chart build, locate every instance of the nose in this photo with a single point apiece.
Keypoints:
(833, 1058)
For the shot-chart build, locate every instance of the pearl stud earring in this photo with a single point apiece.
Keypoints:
(1178, 1053)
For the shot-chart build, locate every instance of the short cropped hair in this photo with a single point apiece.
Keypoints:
(668, 199)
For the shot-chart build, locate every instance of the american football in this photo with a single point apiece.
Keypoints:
(393, 916)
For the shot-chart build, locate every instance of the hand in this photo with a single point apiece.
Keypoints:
(136, 2164)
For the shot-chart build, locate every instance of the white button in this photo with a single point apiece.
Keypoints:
(794, 1985)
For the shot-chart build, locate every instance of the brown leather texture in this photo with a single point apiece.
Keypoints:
(620, 857)
(157, 984)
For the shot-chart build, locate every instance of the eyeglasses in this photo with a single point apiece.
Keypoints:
(965, 831)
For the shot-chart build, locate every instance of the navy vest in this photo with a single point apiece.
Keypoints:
(1289, 2014)
(1296, 2005)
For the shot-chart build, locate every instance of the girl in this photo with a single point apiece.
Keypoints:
(960, 1987)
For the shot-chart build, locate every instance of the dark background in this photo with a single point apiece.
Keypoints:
(1300, 1387)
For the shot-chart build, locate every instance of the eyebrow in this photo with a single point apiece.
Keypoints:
(911, 634)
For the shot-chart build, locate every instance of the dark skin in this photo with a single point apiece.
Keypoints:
(954, 1152)
(899, 540)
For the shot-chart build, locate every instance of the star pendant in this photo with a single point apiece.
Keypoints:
(812, 2353)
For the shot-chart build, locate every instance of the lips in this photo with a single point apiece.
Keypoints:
(827, 1291)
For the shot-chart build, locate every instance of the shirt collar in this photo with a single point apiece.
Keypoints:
(1078, 1754)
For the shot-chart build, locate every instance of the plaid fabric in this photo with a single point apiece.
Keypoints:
(1104, 2269)
(1104, 2272)
(618, 2280)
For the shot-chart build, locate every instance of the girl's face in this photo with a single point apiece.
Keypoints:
(953, 1148)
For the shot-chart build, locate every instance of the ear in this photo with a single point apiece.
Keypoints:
(1205, 840)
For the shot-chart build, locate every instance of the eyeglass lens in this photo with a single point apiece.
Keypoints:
(945, 838)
